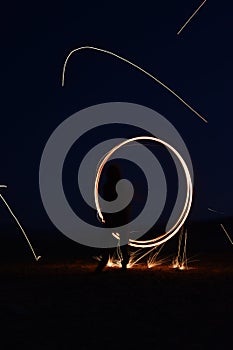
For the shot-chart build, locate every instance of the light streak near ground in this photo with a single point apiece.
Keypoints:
(227, 234)
(184, 261)
(176, 261)
(181, 261)
(133, 65)
(19, 225)
(190, 18)
(153, 258)
(188, 201)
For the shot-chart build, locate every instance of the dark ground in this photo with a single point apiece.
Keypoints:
(66, 306)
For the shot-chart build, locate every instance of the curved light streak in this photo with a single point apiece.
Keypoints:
(188, 201)
(133, 65)
(18, 223)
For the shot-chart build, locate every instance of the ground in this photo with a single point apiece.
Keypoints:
(65, 305)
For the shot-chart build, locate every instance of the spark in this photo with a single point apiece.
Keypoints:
(227, 234)
(184, 264)
(134, 262)
(177, 259)
(110, 262)
(188, 201)
(181, 261)
(216, 211)
(116, 258)
(19, 225)
(153, 260)
(135, 66)
(135, 257)
(195, 12)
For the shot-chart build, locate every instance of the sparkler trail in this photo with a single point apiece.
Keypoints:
(227, 234)
(188, 201)
(18, 223)
(190, 18)
(133, 65)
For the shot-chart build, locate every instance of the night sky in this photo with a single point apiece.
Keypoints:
(197, 64)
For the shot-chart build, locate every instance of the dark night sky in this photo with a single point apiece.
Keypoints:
(35, 40)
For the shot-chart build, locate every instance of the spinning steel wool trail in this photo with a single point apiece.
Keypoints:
(188, 201)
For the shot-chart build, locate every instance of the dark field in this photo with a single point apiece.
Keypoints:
(52, 305)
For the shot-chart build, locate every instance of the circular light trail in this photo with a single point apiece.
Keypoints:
(188, 200)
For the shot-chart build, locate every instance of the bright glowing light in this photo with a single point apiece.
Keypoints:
(180, 261)
(18, 223)
(153, 260)
(190, 18)
(227, 234)
(188, 201)
(133, 65)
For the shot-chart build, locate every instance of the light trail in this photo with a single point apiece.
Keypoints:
(134, 262)
(184, 262)
(188, 201)
(176, 261)
(135, 257)
(19, 225)
(216, 211)
(181, 261)
(133, 65)
(153, 258)
(227, 234)
(189, 19)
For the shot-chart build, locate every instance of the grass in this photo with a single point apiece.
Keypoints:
(65, 305)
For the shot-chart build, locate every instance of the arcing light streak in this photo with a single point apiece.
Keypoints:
(227, 234)
(152, 259)
(135, 66)
(190, 18)
(18, 223)
(188, 201)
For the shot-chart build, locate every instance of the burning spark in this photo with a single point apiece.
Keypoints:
(190, 18)
(181, 262)
(133, 65)
(110, 262)
(18, 223)
(227, 234)
(188, 201)
(135, 257)
(215, 211)
(153, 258)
